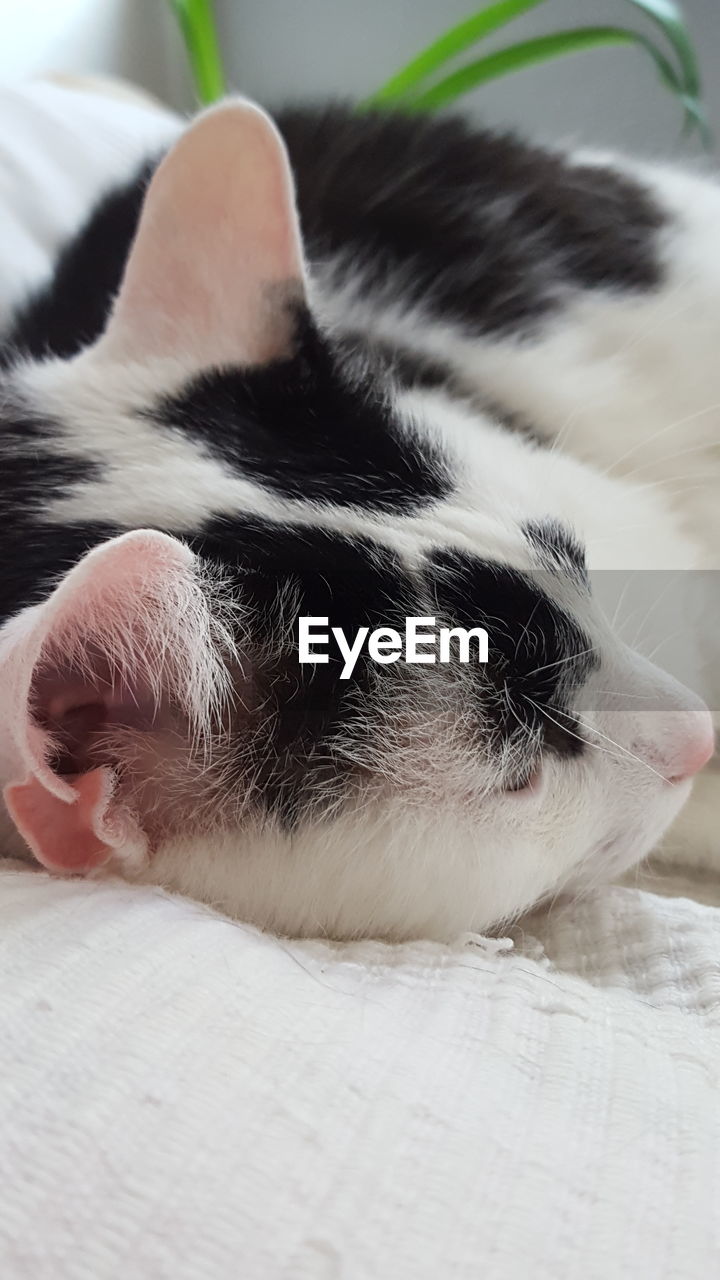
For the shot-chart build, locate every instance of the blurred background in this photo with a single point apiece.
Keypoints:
(278, 50)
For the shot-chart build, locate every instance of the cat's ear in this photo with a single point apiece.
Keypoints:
(217, 261)
(127, 637)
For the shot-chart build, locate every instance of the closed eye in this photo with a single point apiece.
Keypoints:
(528, 782)
(560, 739)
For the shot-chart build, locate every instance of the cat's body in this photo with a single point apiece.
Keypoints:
(400, 427)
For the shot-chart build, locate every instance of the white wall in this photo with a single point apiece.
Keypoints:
(302, 48)
(133, 38)
(290, 49)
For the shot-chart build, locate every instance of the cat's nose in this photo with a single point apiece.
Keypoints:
(689, 744)
(669, 727)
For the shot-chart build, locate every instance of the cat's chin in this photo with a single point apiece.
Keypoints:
(614, 856)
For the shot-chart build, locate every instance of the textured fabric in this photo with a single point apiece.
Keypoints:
(183, 1097)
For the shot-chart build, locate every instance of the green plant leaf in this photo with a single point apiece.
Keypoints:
(541, 49)
(450, 44)
(668, 17)
(408, 87)
(198, 28)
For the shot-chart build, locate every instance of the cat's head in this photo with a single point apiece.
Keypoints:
(218, 465)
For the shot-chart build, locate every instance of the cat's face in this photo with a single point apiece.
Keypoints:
(157, 719)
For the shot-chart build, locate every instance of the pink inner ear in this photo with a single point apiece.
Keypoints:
(75, 837)
(217, 261)
(75, 823)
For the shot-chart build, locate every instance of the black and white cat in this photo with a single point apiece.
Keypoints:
(379, 369)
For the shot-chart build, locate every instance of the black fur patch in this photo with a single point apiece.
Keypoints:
(478, 227)
(474, 226)
(280, 572)
(34, 553)
(558, 548)
(69, 312)
(538, 654)
(299, 427)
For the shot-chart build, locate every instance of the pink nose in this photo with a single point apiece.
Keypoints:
(693, 745)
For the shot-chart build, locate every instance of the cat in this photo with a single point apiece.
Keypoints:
(356, 367)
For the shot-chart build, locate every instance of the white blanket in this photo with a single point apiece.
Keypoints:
(182, 1098)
